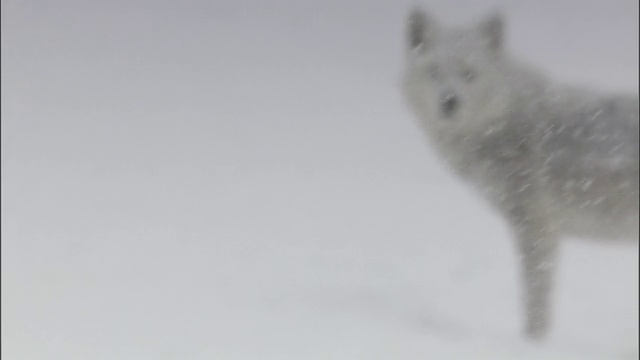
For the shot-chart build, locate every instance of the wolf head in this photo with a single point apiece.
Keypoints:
(455, 77)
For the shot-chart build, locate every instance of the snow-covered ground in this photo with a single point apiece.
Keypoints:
(241, 180)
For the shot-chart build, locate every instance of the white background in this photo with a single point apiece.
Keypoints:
(242, 180)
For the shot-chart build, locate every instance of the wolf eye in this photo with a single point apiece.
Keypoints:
(469, 75)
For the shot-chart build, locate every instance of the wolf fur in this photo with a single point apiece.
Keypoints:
(553, 160)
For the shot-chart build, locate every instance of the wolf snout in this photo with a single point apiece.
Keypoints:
(449, 104)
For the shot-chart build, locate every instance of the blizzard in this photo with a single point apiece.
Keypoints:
(242, 180)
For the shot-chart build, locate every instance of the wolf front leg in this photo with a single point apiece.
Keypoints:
(537, 247)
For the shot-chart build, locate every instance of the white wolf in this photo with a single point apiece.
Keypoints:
(553, 160)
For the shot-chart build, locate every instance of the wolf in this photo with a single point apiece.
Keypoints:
(554, 160)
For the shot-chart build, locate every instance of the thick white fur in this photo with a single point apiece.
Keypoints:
(554, 160)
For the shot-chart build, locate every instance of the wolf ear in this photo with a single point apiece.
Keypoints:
(420, 29)
(492, 29)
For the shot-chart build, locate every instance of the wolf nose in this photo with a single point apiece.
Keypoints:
(449, 104)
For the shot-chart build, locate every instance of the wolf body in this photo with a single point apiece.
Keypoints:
(555, 161)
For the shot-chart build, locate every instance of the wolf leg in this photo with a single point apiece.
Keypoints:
(537, 248)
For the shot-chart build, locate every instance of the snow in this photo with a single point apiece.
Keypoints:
(242, 180)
